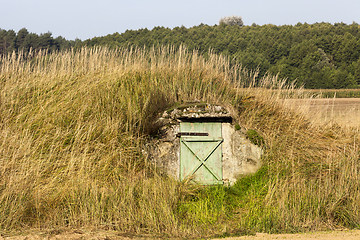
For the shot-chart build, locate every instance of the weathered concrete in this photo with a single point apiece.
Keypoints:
(240, 156)
(165, 151)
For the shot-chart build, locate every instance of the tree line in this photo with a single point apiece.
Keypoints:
(23, 40)
(320, 55)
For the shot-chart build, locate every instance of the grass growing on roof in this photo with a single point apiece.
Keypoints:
(72, 127)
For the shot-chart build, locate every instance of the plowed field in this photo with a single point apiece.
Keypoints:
(344, 111)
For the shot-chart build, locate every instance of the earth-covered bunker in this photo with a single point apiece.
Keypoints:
(199, 141)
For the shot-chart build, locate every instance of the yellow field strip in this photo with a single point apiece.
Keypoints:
(344, 111)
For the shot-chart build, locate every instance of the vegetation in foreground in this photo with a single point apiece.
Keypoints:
(72, 126)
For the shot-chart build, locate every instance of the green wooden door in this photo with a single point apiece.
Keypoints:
(201, 156)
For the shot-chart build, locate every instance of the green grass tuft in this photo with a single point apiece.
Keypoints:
(255, 137)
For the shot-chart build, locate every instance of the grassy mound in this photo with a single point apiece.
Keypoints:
(73, 124)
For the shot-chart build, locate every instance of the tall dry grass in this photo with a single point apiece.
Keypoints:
(71, 130)
(313, 165)
(73, 124)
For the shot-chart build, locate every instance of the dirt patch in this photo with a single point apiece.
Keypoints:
(71, 235)
(333, 235)
(109, 235)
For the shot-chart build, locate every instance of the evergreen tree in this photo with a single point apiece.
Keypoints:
(20, 38)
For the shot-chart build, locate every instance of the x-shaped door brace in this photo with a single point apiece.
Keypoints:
(202, 162)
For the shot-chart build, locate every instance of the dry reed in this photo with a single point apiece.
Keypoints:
(73, 123)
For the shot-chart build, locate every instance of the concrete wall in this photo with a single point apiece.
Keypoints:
(165, 152)
(240, 156)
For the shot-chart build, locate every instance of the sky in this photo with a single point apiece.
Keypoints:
(84, 19)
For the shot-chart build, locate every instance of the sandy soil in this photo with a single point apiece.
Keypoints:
(335, 235)
(70, 235)
(108, 235)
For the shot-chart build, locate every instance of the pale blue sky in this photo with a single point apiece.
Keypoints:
(85, 19)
